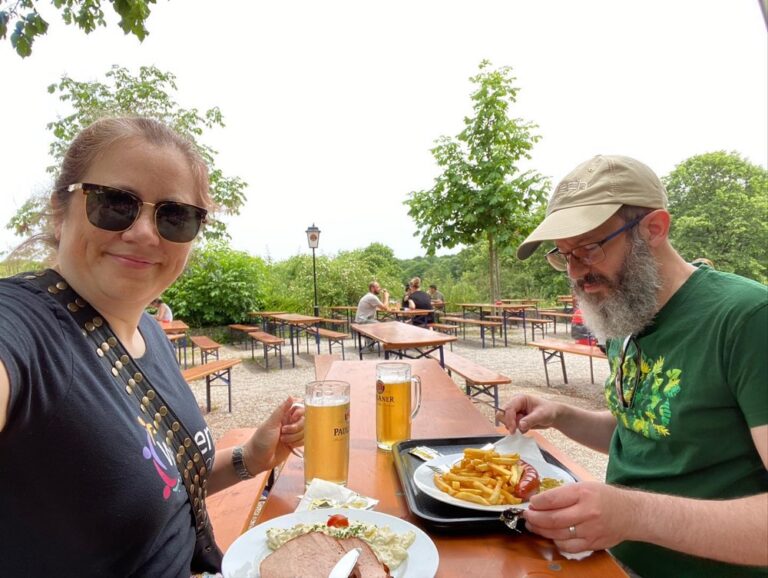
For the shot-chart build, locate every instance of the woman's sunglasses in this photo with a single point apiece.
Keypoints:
(115, 210)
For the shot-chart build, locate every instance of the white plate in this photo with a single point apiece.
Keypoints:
(251, 547)
(423, 477)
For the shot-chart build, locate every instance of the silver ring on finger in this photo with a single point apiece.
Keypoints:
(572, 530)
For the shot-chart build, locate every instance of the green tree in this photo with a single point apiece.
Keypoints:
(719, 204)
(219, 286)
(27, 23)
(150, 93)
(481, 192)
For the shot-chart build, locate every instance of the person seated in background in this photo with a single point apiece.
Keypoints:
(406, 301)
(420, 300)
(438, 299)
(162, 311)
(370, 303)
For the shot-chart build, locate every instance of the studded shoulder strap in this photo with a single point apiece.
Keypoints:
(129, 377)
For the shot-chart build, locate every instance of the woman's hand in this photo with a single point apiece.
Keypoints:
(282, 431)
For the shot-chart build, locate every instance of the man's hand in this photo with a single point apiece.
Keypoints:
(582, 516)
(526, 412)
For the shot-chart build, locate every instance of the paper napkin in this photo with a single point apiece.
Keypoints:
(325, 494)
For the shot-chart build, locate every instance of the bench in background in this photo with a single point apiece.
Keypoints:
(331, 336)
(270, 343)
(464, 321)
(213, 372)
(208, 348)
(480, 382)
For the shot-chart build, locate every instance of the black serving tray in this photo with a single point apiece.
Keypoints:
(439, 515)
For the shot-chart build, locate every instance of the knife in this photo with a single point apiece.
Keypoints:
(344, 566)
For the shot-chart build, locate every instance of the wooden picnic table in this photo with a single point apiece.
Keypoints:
(349, 312)
(399, 337)
(264, 317)
(296, 324)
(175, 326)
(555, 315)
(402, 314)
(445, 412)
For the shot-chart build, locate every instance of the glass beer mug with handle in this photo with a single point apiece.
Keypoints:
(326, 431)
(398, 399)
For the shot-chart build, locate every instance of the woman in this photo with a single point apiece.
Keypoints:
(92, 443)
(162, 311)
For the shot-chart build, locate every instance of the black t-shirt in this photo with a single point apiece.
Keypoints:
(87, 486)
(422, 300)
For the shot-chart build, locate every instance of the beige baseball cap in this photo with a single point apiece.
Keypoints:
(591, 194)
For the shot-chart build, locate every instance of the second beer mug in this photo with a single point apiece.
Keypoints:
(326, 431)
(398, 399)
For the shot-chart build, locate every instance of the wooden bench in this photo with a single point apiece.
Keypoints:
(208, 347)
(213, 371)
(552, 350)
(333, 322)
(555, 315)
(446, 328)
(331, 336)
(479, 382)
(241, 330)
(270, 343)
(231, 510)
(464, 321)
(179, 342)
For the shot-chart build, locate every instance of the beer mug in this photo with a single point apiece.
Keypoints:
(395, 403)
(326, 431)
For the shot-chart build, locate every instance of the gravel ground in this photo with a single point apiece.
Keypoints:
(255, 391)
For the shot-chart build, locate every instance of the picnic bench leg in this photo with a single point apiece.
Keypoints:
(493, 336)
(293, 356)
(342, 350)
(591, 371)
(562, 362)
(504, 325)
(208, 393)
(482, 335)
(442, 357)
(360, 345)
(266, 357)
(546, 371)
(229, 389)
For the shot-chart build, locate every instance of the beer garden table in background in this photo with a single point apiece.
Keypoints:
(445, 412)
(348, 311)
(399, 337)
(296, 324)
(402, 314)
(175, 326)
(176, 331)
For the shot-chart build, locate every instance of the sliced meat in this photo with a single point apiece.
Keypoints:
(310, 555)
(368, 565)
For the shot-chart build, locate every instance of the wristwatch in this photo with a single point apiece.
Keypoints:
(239, 464)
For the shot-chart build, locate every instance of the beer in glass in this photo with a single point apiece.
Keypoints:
(395, 403)
(326, 431)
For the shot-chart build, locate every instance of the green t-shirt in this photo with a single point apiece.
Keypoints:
(703, 385)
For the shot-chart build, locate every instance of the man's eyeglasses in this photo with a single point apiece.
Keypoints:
(115, 210)
(590, 254)
(626, 398)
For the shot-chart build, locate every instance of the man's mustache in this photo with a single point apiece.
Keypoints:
(592, 278)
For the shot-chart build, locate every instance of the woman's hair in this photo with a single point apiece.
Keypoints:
(416, 283)
(98, 137)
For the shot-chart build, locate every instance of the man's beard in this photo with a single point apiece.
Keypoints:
(631, 302)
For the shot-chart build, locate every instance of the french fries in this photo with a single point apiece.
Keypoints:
(483, 477)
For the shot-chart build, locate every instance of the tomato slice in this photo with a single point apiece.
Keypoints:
(337, 521)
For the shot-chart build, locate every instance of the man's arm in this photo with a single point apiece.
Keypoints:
(385, 305)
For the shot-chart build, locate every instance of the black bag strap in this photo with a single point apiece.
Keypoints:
(133, 382)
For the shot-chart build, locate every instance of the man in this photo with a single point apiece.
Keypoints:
(370, 303)
(686, 431)
(438, 299)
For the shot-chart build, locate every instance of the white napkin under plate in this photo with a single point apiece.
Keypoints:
(528, 449)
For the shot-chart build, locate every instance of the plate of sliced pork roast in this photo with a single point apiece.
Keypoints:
(309, 544)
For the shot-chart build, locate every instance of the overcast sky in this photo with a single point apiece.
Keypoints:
(332, 107)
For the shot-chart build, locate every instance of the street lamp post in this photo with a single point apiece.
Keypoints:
(313, 238)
